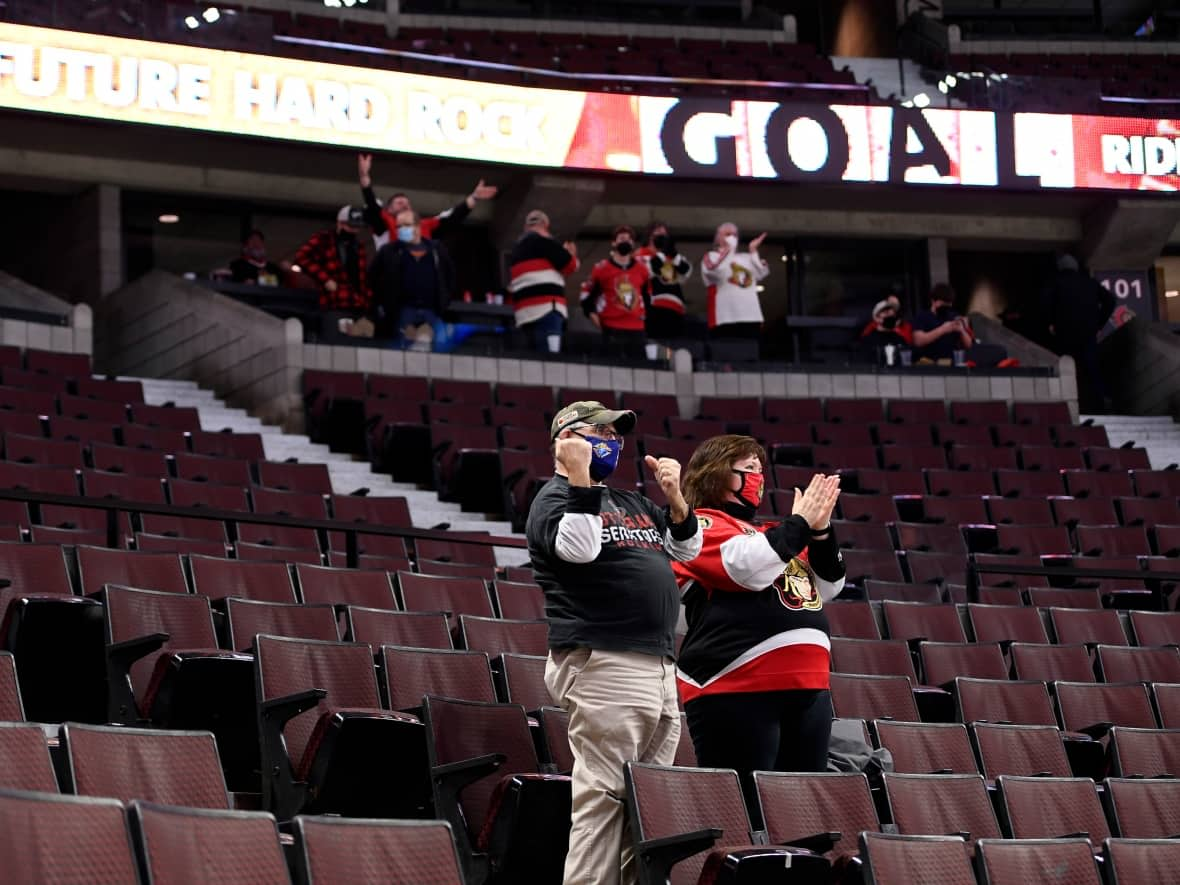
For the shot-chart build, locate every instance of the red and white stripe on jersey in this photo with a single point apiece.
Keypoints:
(793, 659)
(668, 301)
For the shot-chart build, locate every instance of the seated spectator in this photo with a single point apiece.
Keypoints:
(382, 218)
(335, 260)
(614, 295)
(412, 280)
(939, 331)
(252, 266)
(539, 266)
(882, 332)
(669, 269)
(733, 277)
(900, 326)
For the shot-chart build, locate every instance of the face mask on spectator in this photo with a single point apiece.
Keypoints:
(624, 247)
(663, 243)
(604, 456)
(731, 241)
(405, 233)
(750, 492)
(889, 321)
(258, 255)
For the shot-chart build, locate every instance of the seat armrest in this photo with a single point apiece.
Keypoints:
(820, 843)
(660, 855)
(282, 795)
(121, 704)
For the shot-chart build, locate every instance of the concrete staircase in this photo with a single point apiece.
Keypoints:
(1159, 434)
(347, 473)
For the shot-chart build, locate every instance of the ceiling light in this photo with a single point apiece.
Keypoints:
(211, 14)
(191, 22)
(942, 87)
(921, 100)
(168, 218)
(951, 81)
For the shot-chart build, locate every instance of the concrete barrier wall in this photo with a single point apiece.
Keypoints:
(161, 326)
(77, 336)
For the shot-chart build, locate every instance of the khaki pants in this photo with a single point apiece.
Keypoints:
(622, 708)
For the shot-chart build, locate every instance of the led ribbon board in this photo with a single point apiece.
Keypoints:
(164, 84)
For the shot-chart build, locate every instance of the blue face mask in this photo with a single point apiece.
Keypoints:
(405, 233)
(604, 456)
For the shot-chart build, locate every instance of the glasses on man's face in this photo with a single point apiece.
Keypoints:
(602, 431)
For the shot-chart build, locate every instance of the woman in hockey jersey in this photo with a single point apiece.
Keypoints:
(753, 670)
(732, 278)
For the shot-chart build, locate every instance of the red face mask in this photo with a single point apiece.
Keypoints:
(750, 491)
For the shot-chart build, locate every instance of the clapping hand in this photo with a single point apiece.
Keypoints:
(667, 474)
(757, 241)
(816, 504)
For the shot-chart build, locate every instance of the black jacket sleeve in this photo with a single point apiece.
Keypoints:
(372, 212)
(451, 218)
(824, 557)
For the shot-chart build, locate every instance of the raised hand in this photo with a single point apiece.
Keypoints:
(757, 241)
(364, 169)
(484, 191)
(571, 247)
(667, 473)
(573, 454)
(815, 504)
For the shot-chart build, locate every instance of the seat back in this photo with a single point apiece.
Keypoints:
(288, 666)
(98, 566)
(1024, 750)
(900, 860)
(1130, 861)
(1008, 702)
(1006, 623)
(286, 477)
(937, 804)
(927, 748)
(12, 708)
(1120, 663)
(1051, 807)
(169, 767)
(1144, 809)
(881, 657)
(520, 601)
(1083, 705)
(943, 661)
(1156, 628)
(412, 673)
(226, 846)
(467, 596)
(25, 763)
(261, 581)
(46, 838)
(853, 620)
(667, 801)
(339, 851)
(873, 697)
(379, 627)
(459, 729)
(1005, 862)
(334, 586)
(1145, 752)
(247, 618)
(1049, 663)
(798, 805)
(913, 620)
(497, 636)
(1088, 627)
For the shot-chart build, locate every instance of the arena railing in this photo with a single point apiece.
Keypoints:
(1153, 581)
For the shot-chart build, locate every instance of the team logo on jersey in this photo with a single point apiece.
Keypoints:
(667, 272)
(705, 522)
(795, 588)
(749, 531)
(625, 293)
(740, 275)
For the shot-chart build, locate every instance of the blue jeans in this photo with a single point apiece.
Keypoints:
(414, 316)
(538, 331)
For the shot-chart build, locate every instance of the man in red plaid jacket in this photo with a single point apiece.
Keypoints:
(336, 260)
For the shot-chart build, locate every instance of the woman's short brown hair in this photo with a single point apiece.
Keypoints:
(706, 479)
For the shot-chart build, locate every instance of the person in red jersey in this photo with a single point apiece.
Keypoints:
(615, 295)
(753, 669)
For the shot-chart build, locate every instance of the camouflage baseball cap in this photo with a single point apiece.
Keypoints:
(591, 412)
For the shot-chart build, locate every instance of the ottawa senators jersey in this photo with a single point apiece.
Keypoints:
(754, 600)
(617, 294)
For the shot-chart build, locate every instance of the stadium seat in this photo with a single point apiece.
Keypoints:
(1145, 511)
(1041, 413)
(1022, 436)
(1050, 663)
(1083, 511)
(949, 434)
(1153, 483)
(791, 411)
(290, 536)
(1093, 708)
(1064, 597)
(497, 636)
(98, 567)
(1007, 862)
(301, 505)
(506, 815)
(928, 567)
(854, 411)
(1028, 484)
(305, 478)
(955, 511)
(1086, 627)
(927, 748)
(905, 434)
(261, 581)
(42, 452)
(1140, 860)
(46, 838)
(327, 745)
(900, 860)
(186, 493)
(1112, 540)
(934, 623)
(166, 417)
(378, 627)
(882, 565)
(263, 553)
(412, 673)
(1155, 628)
(1007, 702)
(120, 459)
(172, 442)
(853, 620)
(25, 763)
(247, 446)
(882, 657)
(943, 661)
(1119, 663)
(939, 804)
(945, 539)
(873, 697)
(1025, 750)
(981, 413)
(862, 536)
(246, 618)
(1050, 459)
(169, 767)
(1167, 701)
(1005, 624)
(879, 591)
(1051, 808)
(1144, 752)
(866, 508)
(338, 851)
(320, 585)
(224, 846)
(519, 600)
(456, 596)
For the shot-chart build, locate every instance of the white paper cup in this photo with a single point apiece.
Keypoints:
(653, 350)
(554, 342)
